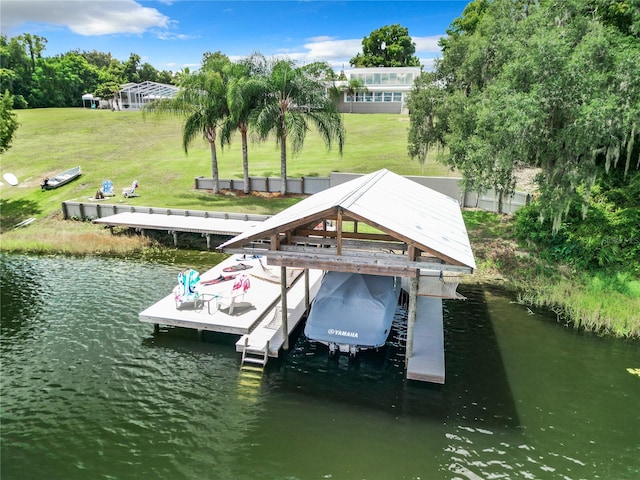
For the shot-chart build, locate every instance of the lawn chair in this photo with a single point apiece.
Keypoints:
(131, 191)
(107, 188)
(240, 288)
(185, 291)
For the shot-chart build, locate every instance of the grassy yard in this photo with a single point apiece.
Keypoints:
(123, 146)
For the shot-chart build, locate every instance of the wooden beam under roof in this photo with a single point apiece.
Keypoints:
(358, 235)
(358, 264)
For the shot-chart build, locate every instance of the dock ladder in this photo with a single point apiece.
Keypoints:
(252, 356)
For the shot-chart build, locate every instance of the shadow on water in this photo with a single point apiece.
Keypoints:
(476, 388)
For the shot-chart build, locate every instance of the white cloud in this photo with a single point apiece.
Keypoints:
(337, 53)
(95, 17)
(330, 50)
(427, 44)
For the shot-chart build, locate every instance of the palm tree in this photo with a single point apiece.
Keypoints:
(354, 86)
(202, 102)
(244, 93)
(291, 102)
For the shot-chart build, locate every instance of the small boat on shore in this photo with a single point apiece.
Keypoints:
(353, 311)
(61, 178)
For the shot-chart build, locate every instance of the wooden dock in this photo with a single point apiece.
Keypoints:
(257, 317)
(178, 223)
(254, 314)
(427, 362)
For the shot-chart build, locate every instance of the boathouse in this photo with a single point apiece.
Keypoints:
(379, 224)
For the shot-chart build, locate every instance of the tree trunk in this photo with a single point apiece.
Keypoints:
(245, 159)
(214, 164)
(283, 165)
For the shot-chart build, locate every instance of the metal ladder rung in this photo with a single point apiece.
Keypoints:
(254, 355)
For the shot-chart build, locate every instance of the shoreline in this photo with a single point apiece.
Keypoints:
(501, 263)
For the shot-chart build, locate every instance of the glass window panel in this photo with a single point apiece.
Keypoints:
(393, 78)
(384, 78)
(368, 97)
(376, 79)
(369, 80)
(378, 97)
(387, 96)
(397, 96)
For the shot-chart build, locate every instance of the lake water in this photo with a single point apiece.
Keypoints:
(89, 392)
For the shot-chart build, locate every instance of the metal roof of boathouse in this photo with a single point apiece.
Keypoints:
(424, 223)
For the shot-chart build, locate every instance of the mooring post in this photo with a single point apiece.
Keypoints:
(283, 302)
(411, 315)
(306, 290)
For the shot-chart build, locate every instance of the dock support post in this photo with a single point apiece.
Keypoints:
(208, 241)
(306, 290)
(283, 299)
(175, 238)
(156, 327)
(411, 320)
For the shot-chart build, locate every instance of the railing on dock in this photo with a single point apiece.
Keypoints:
(92, 210)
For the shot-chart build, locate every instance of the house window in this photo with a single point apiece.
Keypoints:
(373, 97)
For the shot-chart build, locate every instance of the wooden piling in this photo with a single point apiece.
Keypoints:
(283, 302)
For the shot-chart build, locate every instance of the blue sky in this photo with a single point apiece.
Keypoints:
(173, 34)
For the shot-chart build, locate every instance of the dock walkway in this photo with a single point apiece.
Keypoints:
(269, 331)
(427, 362)
(178, 223)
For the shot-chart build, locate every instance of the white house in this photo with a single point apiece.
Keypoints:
(386, 89)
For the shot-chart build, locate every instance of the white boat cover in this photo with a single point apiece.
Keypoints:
(353, 309)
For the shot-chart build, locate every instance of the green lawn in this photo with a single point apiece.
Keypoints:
(124, 146)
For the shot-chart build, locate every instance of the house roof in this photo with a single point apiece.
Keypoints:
(151, 90)
(401, 208)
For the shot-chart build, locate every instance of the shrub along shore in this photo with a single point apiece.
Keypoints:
(122, 146)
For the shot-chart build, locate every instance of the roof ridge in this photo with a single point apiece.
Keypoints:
(352, 197)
